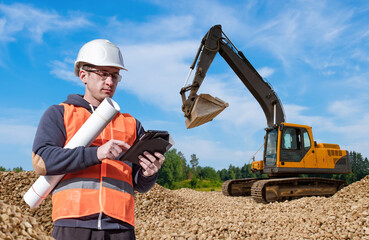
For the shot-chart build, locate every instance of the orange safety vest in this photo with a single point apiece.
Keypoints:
(105, 187)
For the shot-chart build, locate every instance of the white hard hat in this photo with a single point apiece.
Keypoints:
(99, 52)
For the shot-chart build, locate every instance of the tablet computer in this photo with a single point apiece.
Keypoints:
(151, 141)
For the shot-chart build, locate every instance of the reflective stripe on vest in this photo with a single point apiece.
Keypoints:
(105, 187)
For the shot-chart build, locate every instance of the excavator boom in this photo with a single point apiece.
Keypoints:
(199, 113)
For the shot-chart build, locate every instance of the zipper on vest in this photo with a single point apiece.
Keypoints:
(100, 196)
(100, 203)
(99, 221)
(101, 210)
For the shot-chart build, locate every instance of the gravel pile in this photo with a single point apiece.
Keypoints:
(188, 214)
(18, 220)
(16, 225)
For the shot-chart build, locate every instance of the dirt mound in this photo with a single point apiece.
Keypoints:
(188, 214)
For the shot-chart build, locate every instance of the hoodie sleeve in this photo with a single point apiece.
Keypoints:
(48, 155)
(141, 183)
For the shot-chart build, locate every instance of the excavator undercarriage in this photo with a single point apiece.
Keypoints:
(280, 189)
(238, 187)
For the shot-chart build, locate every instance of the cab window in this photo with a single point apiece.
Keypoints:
(307, 143)
(271, 148)
(291, 139)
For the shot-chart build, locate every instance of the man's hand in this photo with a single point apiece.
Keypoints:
(111, 149)
(151, 163)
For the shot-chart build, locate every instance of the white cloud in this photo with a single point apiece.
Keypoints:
(355, 134)
(329, 73)
(302, 30)
(359, 83)
(345, 108)
(156, 72)
(3, 36)
(211, 153)
(207, 13)
(295, 114)
(64, 70)
(20, 18)
(17, 134)
(18, 126)
(266, 72)
(157, 30)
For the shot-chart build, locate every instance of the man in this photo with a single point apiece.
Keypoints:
(94, 200)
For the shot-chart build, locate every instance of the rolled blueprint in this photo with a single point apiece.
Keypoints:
(89, 131)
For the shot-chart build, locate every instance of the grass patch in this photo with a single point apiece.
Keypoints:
(199, 185)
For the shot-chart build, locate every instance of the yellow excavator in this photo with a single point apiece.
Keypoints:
(289, 149)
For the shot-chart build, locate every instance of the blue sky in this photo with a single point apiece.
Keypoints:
(314, 53)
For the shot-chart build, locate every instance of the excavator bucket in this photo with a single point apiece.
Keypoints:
(204, 110)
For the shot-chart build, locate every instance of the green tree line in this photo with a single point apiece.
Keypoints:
(16, 169)
(176, 172)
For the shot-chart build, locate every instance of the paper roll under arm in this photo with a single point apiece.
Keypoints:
(89, 131)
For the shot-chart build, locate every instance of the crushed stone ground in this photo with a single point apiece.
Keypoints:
(188, 214)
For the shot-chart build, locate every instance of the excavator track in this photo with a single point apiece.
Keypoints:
(238, 187)
(271, 190)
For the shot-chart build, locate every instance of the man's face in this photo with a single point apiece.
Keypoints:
(97, 89)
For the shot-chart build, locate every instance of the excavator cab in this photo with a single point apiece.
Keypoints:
(291, 150)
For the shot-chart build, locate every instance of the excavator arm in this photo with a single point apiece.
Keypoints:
(199, 109)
